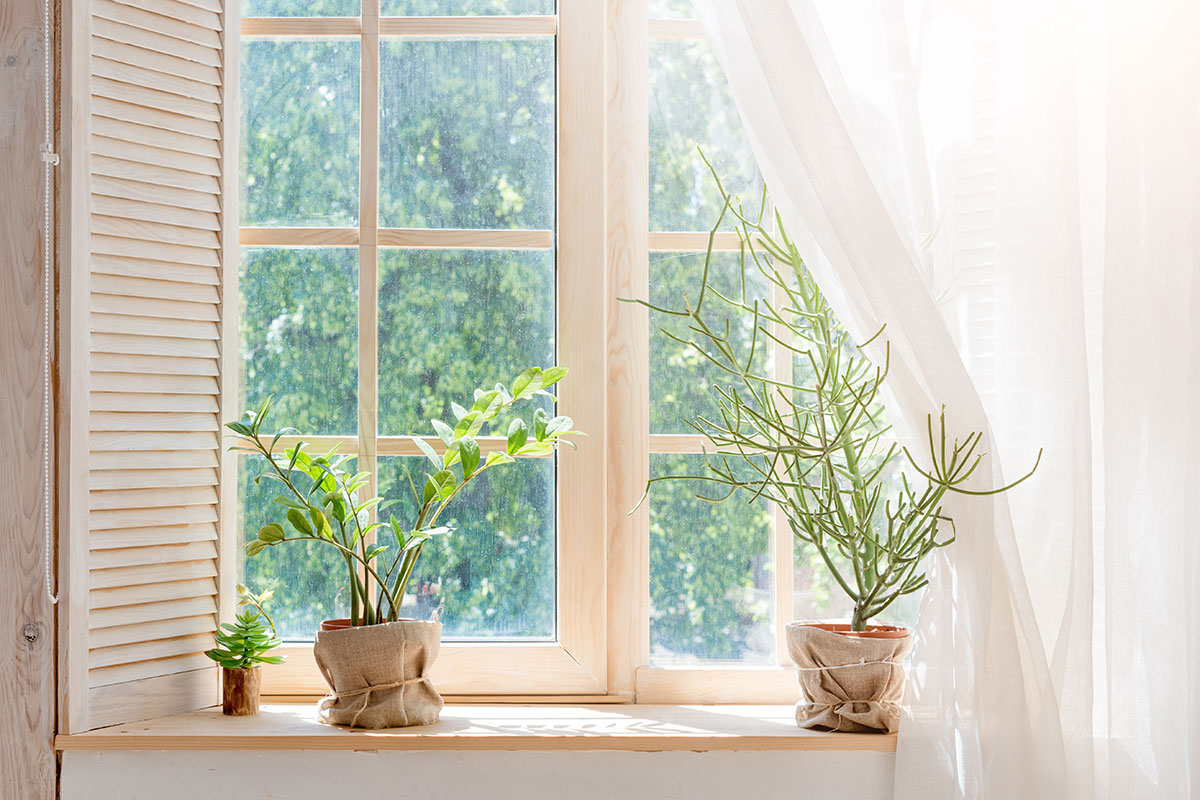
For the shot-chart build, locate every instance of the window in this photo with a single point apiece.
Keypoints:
(405, 239)
(420, 216)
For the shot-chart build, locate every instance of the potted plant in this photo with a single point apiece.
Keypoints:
(375, 662)
(242, 648)
(818, 447)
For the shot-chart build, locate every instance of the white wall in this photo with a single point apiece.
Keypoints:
(195, 775)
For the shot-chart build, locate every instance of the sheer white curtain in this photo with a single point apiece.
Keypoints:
(1013, 187)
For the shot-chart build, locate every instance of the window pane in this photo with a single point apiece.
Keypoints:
(690, 106)
(454, 320)
(301, 8)
(309, 579)
(467, 134)
(300, 132)
(710, 572)
(682, 381)
(299, 336)
(466, 8)
(493, 577)
(672, 9)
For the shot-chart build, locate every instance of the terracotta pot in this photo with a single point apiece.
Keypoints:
(239, 691)
(850, 681)
(344, 623)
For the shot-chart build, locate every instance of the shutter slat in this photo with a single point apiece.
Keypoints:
(155, 174)
(111, 519)
(148, 478)
(119, 362)
(158, 554)
(153, 212)
(166, 403)
(151, 631)
(161, 422)
(136, 441)
(156, 23)
(158, 42)
(158, 156)
(182, 11)
(119, 616)
(103, 343)
(145, 651)
(142, 289)
(152, 573)
(151, 537)
(142, 499)
(159, 251)
(142, 670)
(163, 63)
(157, 325)
(156, 232)
(136, 75)
(135, 382)
(155, 118)
(151, 593)
(186, 199)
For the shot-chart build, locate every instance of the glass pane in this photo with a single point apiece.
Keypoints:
(682, 381)
(309, 579)
(690, 106)
(299, 336)
(672, 9)
(710, 572)
(466, 8)
(493, 577)
(300, 132)
(454, 320)
(301, 8)
(467, 134)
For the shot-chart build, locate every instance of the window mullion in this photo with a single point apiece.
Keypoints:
(368, 257)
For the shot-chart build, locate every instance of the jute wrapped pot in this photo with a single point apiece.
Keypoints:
(378, 675)
(849, 681)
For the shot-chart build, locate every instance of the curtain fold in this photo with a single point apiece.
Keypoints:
(1012, 187)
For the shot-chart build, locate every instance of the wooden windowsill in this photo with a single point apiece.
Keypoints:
(646, 728)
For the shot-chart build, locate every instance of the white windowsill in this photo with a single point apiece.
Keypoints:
(645, 728)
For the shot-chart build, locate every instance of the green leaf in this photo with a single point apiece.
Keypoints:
(290, 503)
(271, 533)
(374, 550)
(539, 424)
(469, 449)
(487, 403)
(536, 449)
(459, 411)
(299, 522)
(255, 547)
(498, 458)
(450, 457)
(443, 431)
(552, 375)
(558, 426)
(466, 425)
(430, 491)
(428, 450)
(518, 433)
(528, 382)
(447, 483)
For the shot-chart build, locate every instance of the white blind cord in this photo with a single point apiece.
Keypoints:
(49, 161)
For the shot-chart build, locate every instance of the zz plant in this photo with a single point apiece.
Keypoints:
(818, 445)
(245, 643)
(321, 502)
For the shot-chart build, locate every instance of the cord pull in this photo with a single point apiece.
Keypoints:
(49, 156)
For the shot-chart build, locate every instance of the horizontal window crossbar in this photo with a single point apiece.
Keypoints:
(410, 27)
(386, 445)
(415, 238)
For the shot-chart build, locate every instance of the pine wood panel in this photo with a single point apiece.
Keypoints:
(643, 728)
(27, 689)
(172, 82)
(150, 40)
(154, 270)
(153, 212)
(185, 199)
(155, 154)
(149, 288)
(164, 23)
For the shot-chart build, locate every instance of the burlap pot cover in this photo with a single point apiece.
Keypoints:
(847, 683)
(377, 674)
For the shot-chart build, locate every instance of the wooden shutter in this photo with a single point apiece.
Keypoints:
(156, 159)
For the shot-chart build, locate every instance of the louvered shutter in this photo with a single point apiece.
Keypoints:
(157, 177)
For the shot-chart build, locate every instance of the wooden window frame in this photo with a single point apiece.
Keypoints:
(602, 246)
(574, 664)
